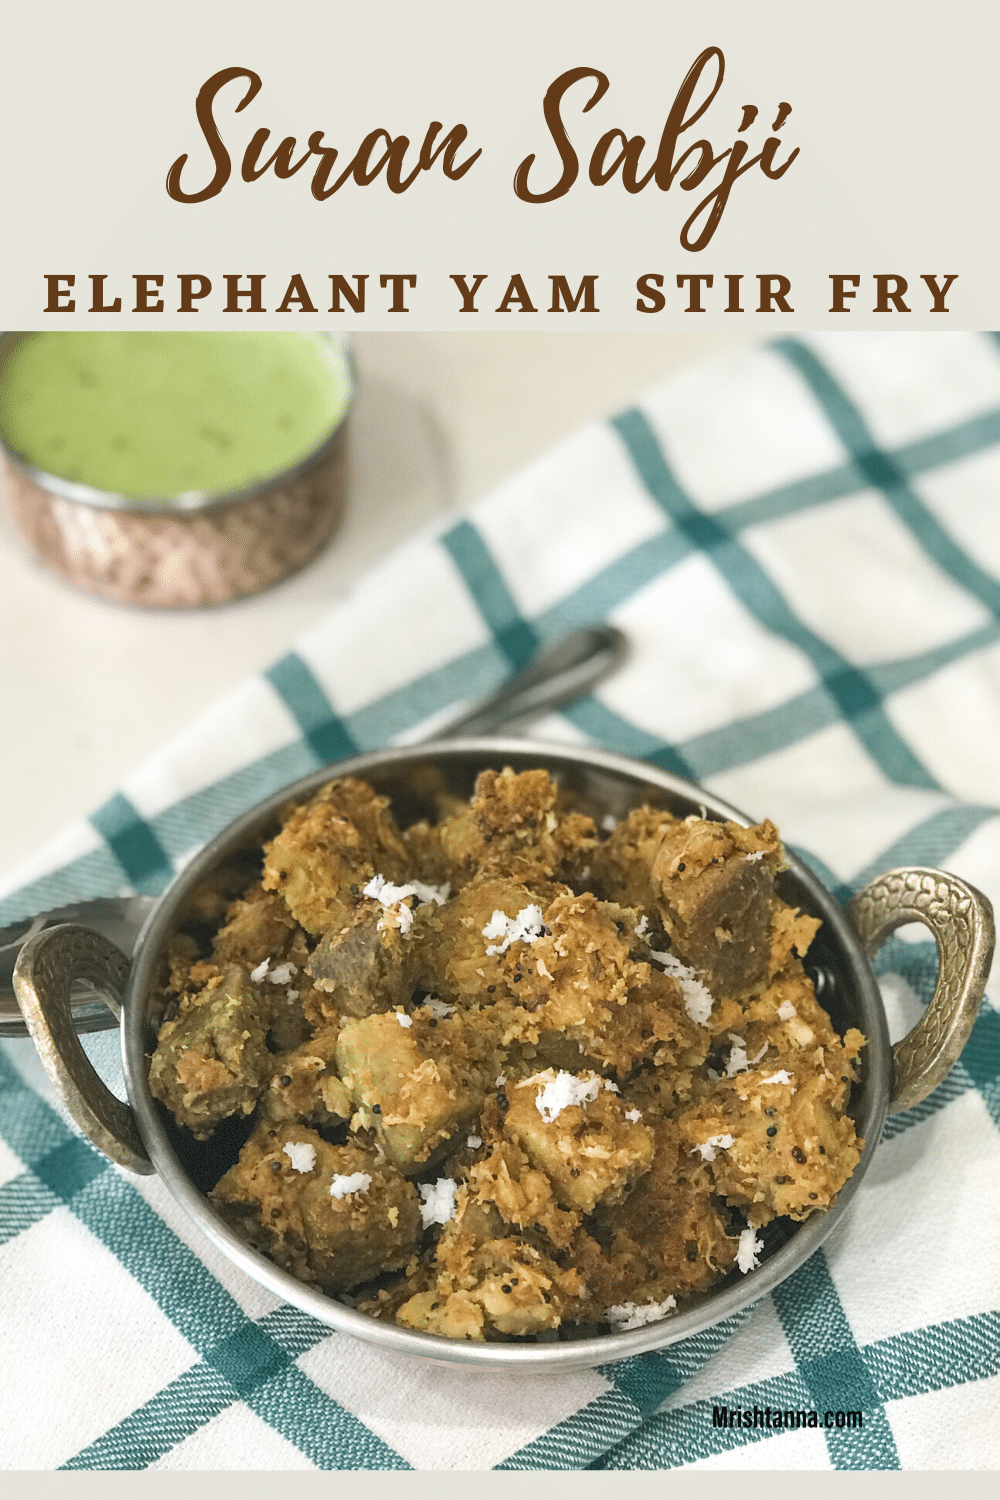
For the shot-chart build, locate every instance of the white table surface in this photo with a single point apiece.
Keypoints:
(91, 689)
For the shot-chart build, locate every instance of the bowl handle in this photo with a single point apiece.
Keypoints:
(961, 919)
(44, 973)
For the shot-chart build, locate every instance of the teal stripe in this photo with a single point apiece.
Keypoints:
(134, 844)
(796, 497)
(617, 582)
(685, 1434)
(979, 1065)
(837, 887)
(640, 1386)
(190, 1401)
(920, 456)
(146, 1434)
(650, 1379)
(251, 1361)
(199, 1307)
(71, 1168)
(907, 671)
(957, 1083)
(92, 874)
(613, 732)
(193, 820)
(955, 443)
(489, 592)
(296, 685)
(76, 1173)
(878, 470)
(582, 1439)
(247, 1358)
(31, 1129)
(871, 1447)
(936, 1358)
(479, 670)
(830, 1363)
(24, 1201)
(293, 1330)
(250, 1367)
(981, 1059)
(852, 691)
(930, 842)
(939, 1357)
(743, 741)
(324, 1431)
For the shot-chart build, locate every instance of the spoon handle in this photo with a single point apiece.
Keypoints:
(557, 674)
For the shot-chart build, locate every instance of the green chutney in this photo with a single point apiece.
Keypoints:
(161, 415)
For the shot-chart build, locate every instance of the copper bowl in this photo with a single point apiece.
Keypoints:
(182, 551)
(143, 1137)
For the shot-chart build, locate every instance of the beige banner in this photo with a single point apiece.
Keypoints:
(533, 166)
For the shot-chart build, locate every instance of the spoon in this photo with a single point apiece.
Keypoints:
(557, 674)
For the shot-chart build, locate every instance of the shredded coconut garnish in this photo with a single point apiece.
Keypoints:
(758, 1055)
(301, 1154)
(563, 1090)
(501, 1080)
(782, 1076)
(438, 1204)
(258, 974)
(473, 1142)
(395, 896)
(392, 896)
(754, 856)
(747, 1255)
(633, 1315)
(738, 1056)
(439, 1009)
(786, 1010)
(634, 1115)
(436, 893)
(609, 823)
(698, 1000)
(715, 1142)
(357, 1182)
(642, 928)
(292, 995)
(526, 927)
(543, 970)
(282, 974)
(611, 1086)
(403, 1019)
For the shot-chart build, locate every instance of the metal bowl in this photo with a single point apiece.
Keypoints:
(145, 1138)
(183, 551)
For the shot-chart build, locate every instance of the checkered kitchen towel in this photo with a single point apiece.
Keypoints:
(803, 543)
